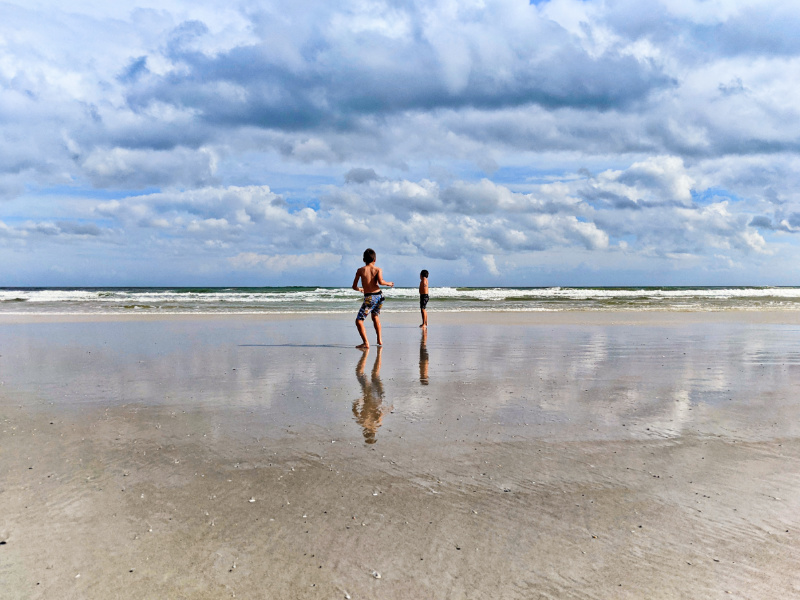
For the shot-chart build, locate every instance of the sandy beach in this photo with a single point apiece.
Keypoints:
(501, 455)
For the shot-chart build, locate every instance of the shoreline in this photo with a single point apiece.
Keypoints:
(579, 317)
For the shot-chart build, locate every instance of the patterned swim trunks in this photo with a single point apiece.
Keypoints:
(372, 304)
(423, 301)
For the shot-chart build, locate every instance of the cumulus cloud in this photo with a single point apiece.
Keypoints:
(453, 131)
(282, 263)
(123, 168)
(220, 210)
(450, 222)
(491, 266)
(504, 72)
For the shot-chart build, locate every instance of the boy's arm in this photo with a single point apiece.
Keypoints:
(381, 281)
(355, 282)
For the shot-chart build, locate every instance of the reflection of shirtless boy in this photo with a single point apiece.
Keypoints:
(369, 409)
(371, 279)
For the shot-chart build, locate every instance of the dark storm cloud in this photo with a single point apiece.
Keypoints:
(271, 96)
(335, 81)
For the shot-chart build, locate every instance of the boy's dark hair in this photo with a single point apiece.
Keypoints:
(424, 273)
(369, 256)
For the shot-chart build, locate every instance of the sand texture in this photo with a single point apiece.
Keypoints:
(498, 456)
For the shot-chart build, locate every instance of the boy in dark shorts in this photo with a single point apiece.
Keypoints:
(423, 297)
(371, 279)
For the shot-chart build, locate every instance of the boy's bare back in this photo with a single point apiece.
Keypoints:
(370, 277)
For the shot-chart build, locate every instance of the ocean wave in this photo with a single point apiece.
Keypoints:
(321, 300)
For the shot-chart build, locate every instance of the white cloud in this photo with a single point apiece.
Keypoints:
(282, 263)
(491, 266)
(449, 130)
(119, 167)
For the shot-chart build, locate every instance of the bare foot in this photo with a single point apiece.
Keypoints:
(362, 347)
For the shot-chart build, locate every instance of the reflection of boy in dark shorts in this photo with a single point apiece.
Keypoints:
(423, 297)
(372, 304)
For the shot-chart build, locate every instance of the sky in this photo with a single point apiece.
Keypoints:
(491, 142)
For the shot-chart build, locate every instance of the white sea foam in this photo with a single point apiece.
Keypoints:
(303, 300)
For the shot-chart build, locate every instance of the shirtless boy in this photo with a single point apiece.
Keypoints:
(371, 279)
(423, 297)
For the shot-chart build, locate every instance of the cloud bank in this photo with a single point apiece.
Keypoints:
(503, 141)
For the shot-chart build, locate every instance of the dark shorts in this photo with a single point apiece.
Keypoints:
(423, 301)
(372, 304)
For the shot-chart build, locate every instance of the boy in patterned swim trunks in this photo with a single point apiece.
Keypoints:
(371, 279)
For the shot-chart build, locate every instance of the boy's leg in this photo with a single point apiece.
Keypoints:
(362, 331)
(360, 317)
(424, 318)
(376, 320)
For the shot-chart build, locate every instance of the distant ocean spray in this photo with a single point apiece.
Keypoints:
(344, 300)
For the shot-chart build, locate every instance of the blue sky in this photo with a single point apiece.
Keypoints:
(500, 142)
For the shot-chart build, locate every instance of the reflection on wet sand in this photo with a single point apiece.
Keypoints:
(369, 409)
(423, 357)
(669, 440)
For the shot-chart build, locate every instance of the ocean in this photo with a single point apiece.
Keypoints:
(288, 300)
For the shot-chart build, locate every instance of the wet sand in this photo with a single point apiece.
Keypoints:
(550, 455)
